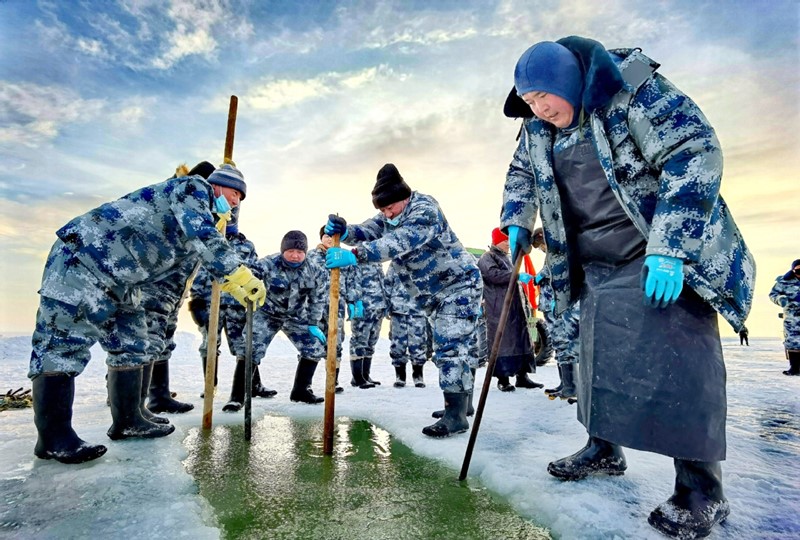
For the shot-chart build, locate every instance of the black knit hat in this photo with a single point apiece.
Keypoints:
(294, 240)
(390, 187)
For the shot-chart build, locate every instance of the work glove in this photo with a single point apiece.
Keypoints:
(525, 277)
(243, 286)
(338, 258)
(317, 333)
(351, 311)
(783, 301)
(538, 279)
(336, 225)
(223, 220)
(519, 238)
(662, 279)
(358, 312)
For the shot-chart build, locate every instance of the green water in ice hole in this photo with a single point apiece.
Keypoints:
(280, 485)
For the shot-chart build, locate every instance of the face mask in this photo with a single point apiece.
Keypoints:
(292, 264)
(394, 222)
(221, 205)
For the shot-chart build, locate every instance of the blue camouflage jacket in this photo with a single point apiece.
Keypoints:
(201, 286)
(144, 235)
(365, 282)
(431, 262)
(663, 162)
(788, 286)
(294, 294)
(400, 301)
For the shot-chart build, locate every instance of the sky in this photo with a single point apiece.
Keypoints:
(98, 99)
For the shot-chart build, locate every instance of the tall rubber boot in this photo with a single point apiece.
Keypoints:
(258, 389)
(455, 417)
(794, 363)
(339, 389)
(696, 505)
(161, 398)
(368, 369)
(558, 388)
(302, 392)
(204, 359)
(504, 385)
(470, 408)
(125, 391)
(147, 373)
(400, 376)
(597, 457)
(523, 381)
(357, 368)
(53, 395)
(236, 401)
(568, 388)
(416, 376)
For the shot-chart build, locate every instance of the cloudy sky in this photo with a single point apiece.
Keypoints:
(98, 99)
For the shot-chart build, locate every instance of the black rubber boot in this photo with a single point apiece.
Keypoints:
(339, 389)
(470, 408)
(597, 457)
(236, 401)
(400, 376)
(568, 389)
(204, 359)
(416, 376)
(368, 369)
(357, 368)
(524, 382)
(125, 391)
(161, 399)
(794, 363)
(147, 373)
(53, 395)
(302, 392)
(455, 417)
(558, 388)
(696, 505)
(504, 385)
(258, 389)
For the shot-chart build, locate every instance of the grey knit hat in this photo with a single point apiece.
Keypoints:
(229, 176)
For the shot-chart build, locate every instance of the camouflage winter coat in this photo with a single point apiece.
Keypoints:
(663, 163)
(431, 262)
(201, 286)
(788, 288)
(293, 294)
(400, 302)
(146, 234)
(365, 282)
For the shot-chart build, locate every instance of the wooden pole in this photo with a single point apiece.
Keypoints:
(487, 381)
(213, 319)
(248, 372)
(330, 364)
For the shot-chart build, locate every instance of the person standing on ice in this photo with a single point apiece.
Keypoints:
(232, 316)
(296, 294)
(624, 171)
(366, 306)
(786, 294)
(407, 332)
(411, 231)
(91, 292)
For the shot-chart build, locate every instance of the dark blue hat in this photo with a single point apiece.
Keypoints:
(552, 68)
(229, 176)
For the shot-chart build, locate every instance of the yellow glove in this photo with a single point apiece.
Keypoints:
(223, 220)
(243, 286)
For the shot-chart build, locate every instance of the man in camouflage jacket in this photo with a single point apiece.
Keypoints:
(408, 331)
(786, 294)
(366, 305)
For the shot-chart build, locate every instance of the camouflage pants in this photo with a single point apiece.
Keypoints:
(565, 333)
(454, 322)
(75, 312)
(265, 328)
(408, 336)
(233, 320)
(364, 334)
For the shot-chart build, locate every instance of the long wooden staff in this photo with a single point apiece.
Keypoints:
(487, 381)
(330, 363)
(248, 371)
(213, 319)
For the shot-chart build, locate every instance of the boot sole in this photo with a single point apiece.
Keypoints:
(442, 435)
(659, 522)
(145, 433)
(561, 475)
(72, 459)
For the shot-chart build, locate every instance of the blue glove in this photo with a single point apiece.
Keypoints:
(538, 279)
(317, 333)
(338, 258)
(783, 301)
(519, 238)
(336, 225)
(525, 277)
(359, 310)
(662, 279)
(351, 310)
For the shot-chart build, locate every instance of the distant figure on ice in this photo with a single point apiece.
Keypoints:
(411, 230)
(366, 307)
(91, 291)
(296, 295)
(624, 171)
(316, 256)
(408, 332)
(515, 356)
(786, 294)
(743, 336)
(232, 319)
